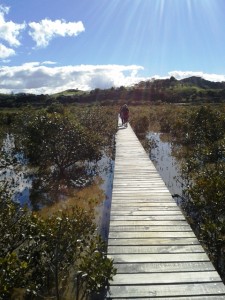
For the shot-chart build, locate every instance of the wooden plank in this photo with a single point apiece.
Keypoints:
(142, 198)
(142, 203)
(149, 234)
(159, 257)
(127, 181)
(149, 205)
(163, 222)
(163, 208)
(157, 190)
(165, 267)
(138, 228)
(217, 297)
(143, 210)
(155, 249)
(166, 278)
(168, 290)
(148, 195)
(147, 218)
(145, 213)
(153, 241)
(147, 186)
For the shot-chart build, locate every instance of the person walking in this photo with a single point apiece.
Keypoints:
(124, 114)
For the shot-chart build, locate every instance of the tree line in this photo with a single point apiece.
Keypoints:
(188, 90)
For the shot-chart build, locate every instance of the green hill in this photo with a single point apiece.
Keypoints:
(188, 90)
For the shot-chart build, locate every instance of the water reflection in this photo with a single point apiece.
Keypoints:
(106, 173)
(14, 172)
(17, 171)
(166, 164)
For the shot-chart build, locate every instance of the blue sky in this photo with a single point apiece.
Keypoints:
(47, 46)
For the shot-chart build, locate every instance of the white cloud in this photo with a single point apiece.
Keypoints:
(48, 62)
(9, 31)
(41, 78)
(4, 9)
(46, 78)
(44, 31)
(6, 52)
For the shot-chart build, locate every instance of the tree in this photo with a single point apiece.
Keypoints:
(202, 134)
(40, 256)
(53, 140)
(14, 231)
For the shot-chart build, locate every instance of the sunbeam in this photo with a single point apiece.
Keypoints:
(140, 38)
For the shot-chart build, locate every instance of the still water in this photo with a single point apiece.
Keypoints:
(166, 164)
(16, 170)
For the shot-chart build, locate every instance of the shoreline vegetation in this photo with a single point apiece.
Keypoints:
(54, 250)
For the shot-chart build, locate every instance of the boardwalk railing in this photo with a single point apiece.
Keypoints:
(156, 253)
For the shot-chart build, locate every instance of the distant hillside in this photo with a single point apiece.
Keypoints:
(193, 81)
(188, 90)
(202, 83)
(70, 92)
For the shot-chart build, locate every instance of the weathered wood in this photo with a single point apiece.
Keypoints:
(153, 241)
(164, 267)
(218, 297)
(159, 257)
(148, 223)
(133, 212)
(144, 208)
(147, 196)
(145, 218)
(149, 234)
(168, 290)
(166, 278)
(122, 203)
(155, 249)
(156, 253)
(143, 228)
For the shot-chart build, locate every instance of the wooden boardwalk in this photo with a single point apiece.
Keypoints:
(156, 253)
